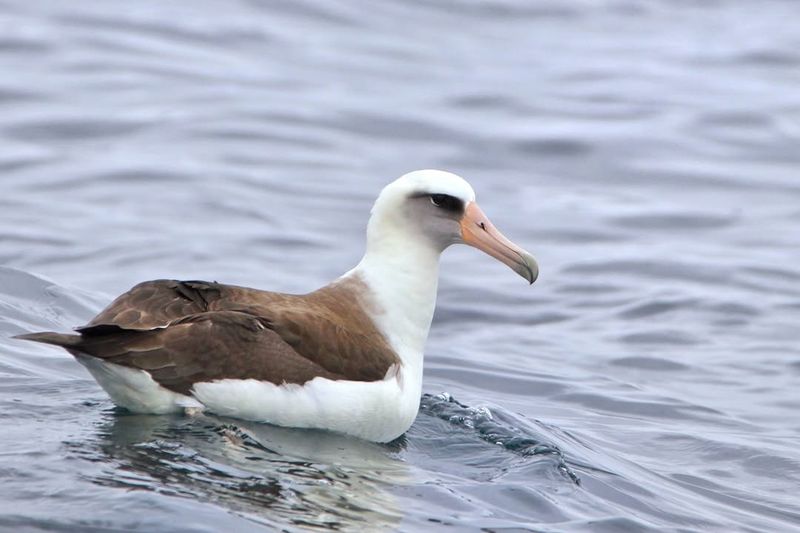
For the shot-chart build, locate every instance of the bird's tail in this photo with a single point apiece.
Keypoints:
(65, 340)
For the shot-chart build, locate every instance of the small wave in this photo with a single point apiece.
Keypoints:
(483, 423)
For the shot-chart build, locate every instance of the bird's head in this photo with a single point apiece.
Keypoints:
(439, 208)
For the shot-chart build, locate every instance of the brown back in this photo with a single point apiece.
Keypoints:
(183, 332)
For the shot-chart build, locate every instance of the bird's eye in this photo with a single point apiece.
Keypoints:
(438, 199)
(446, 202)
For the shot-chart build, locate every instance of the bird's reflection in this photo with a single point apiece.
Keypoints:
(270, 474)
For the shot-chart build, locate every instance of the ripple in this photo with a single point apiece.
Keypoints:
(783, 274)
(650, 363)
(71, 129)
(766, 57)
(19, 45)
(497, 382)
(10, 95)
(660, 338)
(552, 147)
(734, 309)
(751, 119)
(674, 221)
(589, 288)
(579, 236)
(483, 101)
(641, 409)
(649, 309)
(461, 315)
(202, 35)
(657, 269)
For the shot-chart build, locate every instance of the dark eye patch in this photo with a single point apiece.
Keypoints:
(447, 202)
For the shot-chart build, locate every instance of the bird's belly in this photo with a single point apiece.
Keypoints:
(378, 411)
(135, 389)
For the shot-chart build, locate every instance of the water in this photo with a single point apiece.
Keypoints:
(645, 152)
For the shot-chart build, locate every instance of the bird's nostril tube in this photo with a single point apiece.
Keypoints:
(482, 225)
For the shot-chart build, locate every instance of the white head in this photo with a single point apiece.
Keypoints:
(428, 210)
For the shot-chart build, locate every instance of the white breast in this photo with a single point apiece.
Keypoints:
(379, 411)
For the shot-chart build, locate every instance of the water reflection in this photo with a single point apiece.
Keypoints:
(269, 474)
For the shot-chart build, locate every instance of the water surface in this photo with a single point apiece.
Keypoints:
(645, 152)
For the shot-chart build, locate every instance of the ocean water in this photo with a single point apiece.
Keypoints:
(646, 152)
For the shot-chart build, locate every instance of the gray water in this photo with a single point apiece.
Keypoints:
(645, 152)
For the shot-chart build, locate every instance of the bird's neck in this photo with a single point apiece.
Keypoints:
(402, 274)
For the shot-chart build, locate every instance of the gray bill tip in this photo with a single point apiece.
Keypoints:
(528, 268)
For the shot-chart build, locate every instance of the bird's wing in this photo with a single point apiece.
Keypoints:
(203, 347)
(157, 303)
(310, 326)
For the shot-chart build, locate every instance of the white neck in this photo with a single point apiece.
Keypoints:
(402, 273)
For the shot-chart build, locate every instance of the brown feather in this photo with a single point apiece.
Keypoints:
(185, 332)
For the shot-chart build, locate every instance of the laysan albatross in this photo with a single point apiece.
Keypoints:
(346, 357)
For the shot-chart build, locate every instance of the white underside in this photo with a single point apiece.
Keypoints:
(134, 389)
(379, 411)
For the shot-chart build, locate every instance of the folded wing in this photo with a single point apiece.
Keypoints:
(185, 332)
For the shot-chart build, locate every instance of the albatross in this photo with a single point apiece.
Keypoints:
(346, 357)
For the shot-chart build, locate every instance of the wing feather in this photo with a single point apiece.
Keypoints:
(187, 331)
(204, 347)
